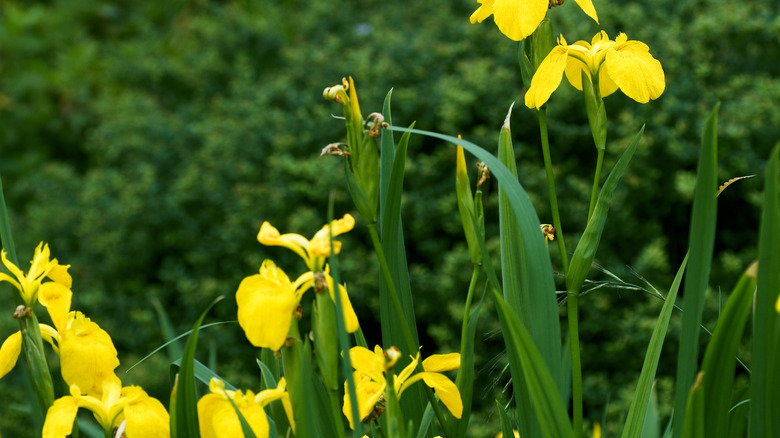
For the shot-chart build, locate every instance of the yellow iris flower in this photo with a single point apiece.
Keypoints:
(41, 267)
(373, 368)
(87, 354)
(518, 19)
(267, 302)
(313, 251)
(144, 417)
(217, 417)
(623, 64)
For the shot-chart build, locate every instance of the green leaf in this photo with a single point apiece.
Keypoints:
(184, 397)
(589, 243)
(720, 358)
(765, 378)
(465, 379)
(694, 412)
(425, 424)
(547, 404)
(702, 238)
(636, 413)
(506, 423)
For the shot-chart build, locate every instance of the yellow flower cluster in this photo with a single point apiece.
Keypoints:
(87, 358)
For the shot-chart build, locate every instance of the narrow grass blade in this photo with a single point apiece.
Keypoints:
(425, 424)
(465, 379)
(203, 373)
(506, 423)
(636, 413)
(547, 404)
(184, 396)
(702, 238)
(589, 243)
(166, 327)
(765, 378)
(652, 426)
(720, 358)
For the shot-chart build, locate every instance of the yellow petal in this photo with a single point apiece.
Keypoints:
(350, 318)
(9, 353)
(227, 425)
(547, 77)
(446, 390)
(442, 362)
(634, 70)
(87, 355)
(265, 310)
(59, 274)
(208, 405)
(519, 18)
(485, 10)
(777, 304)
(574, 69)
(145, 416)
(320, 244)
(368, 392)
(270, 236)
(365, 361)
(56, 298)
(60, 417)
(587, 7)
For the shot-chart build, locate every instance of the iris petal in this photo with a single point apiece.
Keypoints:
(634, 70)
(9, 353)
(60, 417)
(547, 77)
(519, 18)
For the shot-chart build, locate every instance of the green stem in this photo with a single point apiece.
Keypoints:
(576, 366)
(596, 180)
(411, 345)
(551, 189)
(467, 309)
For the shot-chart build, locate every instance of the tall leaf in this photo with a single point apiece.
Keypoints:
(702, 238)
(184, 398)
(391, 179)
(636, 413)
(765, 378)
(720, 358)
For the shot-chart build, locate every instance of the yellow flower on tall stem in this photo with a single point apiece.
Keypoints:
(41, 267)
(622, 63)
(217, 417)
(87, 354)
(314, 251)
(373, 371)
(518, 19)
(144, 416)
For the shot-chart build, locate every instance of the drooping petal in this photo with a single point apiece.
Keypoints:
(547, 77)
(280, 393)
(350, 317)
(145, 416)
(227, 425)
(9, 353)
(87, 355)
(56, 298)
(442, 362)
(587, 7)
(60, 417)
(368, 392)
(320, 243)
(208, 405)
(519, 18)
(59, 274)
(634, 70)
(270, 236)
(485, 10)
(446, 390)
(265, 310)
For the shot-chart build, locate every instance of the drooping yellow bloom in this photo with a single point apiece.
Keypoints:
(373, 371)
(314, 251)
(41, 267)
(217, 417)
(268, 300)
(623, 64)
(518, 19)
(87, 354)
(145, 417)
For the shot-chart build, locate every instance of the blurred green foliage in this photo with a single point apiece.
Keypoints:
(147, 141)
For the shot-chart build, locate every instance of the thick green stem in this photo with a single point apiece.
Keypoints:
(551, 190)
(411, 345)
(576, 367)
(467, 308)
(594, 194)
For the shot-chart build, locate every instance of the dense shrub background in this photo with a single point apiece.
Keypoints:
(147, 141)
